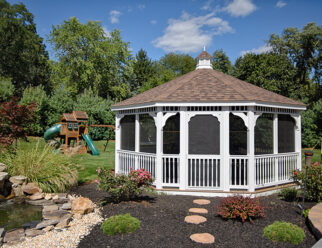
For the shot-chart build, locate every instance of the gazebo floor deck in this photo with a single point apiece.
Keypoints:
(217, 193)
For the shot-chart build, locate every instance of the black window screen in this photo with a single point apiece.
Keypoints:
(237, 135)
(204, 135)
(147, 134)
(171, 135)
(264, 134)
(286, 130)
(128, 133)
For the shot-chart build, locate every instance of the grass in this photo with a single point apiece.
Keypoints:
(87, 164)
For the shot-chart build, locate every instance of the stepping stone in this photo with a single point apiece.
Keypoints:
(203, 238)
(195, 219)
(198, 210)
(201, 201)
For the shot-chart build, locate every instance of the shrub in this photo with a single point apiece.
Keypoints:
(314, 181)
(239, 207)
(288, 194)
(305, 212)
(284, 232)
(124, 187)
(120, 224)
(51, 172)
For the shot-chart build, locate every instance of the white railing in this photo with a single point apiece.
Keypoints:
(272, 169)
(265, 170)
(170, 170)
(203, 171)
(287, 164)
(136, 160)
(238, 171)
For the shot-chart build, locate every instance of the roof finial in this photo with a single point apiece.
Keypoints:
(204, 48)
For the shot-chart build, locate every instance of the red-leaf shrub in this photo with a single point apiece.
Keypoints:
(239, 207)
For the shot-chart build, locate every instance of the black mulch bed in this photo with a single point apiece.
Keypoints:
(162, 223)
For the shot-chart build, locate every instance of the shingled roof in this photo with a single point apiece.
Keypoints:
(206, 86)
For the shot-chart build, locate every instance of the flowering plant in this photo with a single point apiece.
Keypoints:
(313, 190)
(124, 187)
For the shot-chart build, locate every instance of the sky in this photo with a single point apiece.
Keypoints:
(182, 26)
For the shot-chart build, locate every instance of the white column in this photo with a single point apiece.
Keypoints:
(251, 150)
(159, 150)
(298, 141)
(117, 141)
(137, 140)
(275, 144)
(224, 150)
(183, 149)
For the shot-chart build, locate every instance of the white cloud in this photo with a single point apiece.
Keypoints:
(240, 8)
(153, 22)
(261, 49)
(190, 34)
(207, 5)
(115, 16)
(106, 32)
(280, 4)
(141, 6)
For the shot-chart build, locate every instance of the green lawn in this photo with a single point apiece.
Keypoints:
(88, 164)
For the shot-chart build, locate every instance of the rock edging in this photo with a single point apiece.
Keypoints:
(315, 216)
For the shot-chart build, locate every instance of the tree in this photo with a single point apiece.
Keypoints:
(89, 58)
(269, 71)
(303, 49)
(221, 62)
(6, 89)
(143, 69)
(179, 63)
(23, 57)
(15, 120)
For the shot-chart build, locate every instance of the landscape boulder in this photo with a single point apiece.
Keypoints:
(31, 188)
(3, 167)
(3, 177)
(37, 196)
(15, 235)
(82, 206)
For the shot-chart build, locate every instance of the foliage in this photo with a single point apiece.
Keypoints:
(6, 89)
(221, 62)
(312, 125)
(38, 96)
(23, 57)
(178, 63)
(284, 232)
(120, 224)
(15, 121)
(288, 194)
(98, 111)
(306, 212)
(51, 172)
(267, 70)
(239, 207)
(313, 190)
(124, 187)
(88, 57)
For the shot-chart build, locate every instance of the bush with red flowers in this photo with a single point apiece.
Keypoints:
(124, 187)
(240, 208)
(313, 190)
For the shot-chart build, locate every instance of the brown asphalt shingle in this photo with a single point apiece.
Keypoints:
(207, 85)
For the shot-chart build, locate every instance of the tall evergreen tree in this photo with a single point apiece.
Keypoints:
(221, 62)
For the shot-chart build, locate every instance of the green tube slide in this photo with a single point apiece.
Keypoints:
(52, 132)
(91, 145)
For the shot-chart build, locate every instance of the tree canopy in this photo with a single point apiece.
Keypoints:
(221, 62)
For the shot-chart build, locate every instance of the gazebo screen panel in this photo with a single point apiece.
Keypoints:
(171, 135)
(286, 134)
(237, 135)
(147, 134)
(264, 134)
(128, 133)
(204, 135)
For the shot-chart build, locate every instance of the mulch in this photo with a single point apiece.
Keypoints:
(162, 223)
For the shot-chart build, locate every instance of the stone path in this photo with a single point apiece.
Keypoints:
(315, 219)
(202, 238)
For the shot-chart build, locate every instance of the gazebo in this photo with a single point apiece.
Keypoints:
(208, 132)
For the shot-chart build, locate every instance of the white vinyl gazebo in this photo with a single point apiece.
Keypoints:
(209, 132)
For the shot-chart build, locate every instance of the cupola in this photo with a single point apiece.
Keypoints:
(204, 60)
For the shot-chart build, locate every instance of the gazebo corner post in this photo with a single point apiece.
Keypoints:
(251, 149)
(183, 148)
(137, 141)
(224, 150)
(298, 141)
(159, 141)
(275, 145)
(117, 142)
